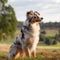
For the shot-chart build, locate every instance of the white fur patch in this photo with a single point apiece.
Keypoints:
(36, 32)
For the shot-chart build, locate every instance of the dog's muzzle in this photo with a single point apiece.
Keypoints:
(35, 19)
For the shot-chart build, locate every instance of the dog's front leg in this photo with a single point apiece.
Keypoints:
(27, 52)
(22, 54)
(34, 53)
(16, 54)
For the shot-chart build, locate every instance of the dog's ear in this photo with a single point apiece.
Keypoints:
(29, 12)
(36, 13)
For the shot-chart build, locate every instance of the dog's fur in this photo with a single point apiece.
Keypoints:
(26, 42)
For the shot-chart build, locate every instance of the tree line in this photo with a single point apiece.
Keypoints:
(48, 25)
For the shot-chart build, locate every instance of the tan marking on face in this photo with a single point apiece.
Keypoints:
(36, 13)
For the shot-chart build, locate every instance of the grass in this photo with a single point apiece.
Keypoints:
(57, 46)
(3, 55)
(51, 32)
(42, 56)
(44, 52)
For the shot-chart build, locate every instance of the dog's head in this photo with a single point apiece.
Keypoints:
(33, 17)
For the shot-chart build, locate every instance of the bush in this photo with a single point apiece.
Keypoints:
(43, 32)
(47, 41)
(42, 37)
(54, 42)
(57, 37)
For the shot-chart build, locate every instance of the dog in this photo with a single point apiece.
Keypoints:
(33, 20)
(26, 42)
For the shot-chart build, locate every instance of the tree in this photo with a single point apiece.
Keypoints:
(42, 37)
(8, 21)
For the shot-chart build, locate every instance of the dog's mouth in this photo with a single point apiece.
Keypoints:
(35, 19)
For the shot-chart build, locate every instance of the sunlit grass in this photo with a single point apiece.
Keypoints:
(57, 46)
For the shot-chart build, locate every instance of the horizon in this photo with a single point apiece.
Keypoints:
(48, 9)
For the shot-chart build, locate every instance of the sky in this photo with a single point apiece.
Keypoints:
(48, 9)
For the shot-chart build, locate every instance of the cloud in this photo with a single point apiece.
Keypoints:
(51, 18)
(47, 6)
(56, 1)
(19, 0)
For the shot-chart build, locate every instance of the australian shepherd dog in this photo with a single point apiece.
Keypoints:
(26, 42)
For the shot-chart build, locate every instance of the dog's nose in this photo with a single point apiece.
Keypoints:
(34, 17)
(41, 18)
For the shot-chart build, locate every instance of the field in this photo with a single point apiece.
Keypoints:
(44, 52)
(51, 32)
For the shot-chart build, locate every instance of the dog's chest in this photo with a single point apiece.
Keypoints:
(35, 29)
(36, 32)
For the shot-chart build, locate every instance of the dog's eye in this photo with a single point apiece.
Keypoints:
(30, 14)
(29, 20)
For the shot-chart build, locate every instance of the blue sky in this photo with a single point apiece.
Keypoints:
(49, 9)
